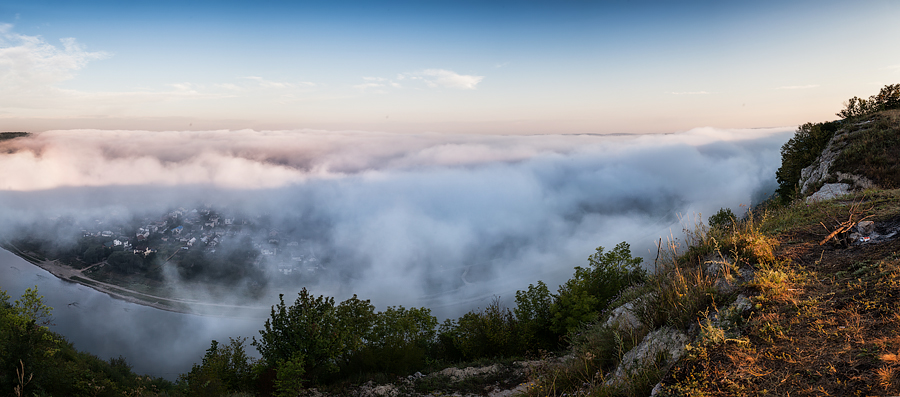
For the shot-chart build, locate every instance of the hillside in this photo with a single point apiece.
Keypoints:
(823, 320)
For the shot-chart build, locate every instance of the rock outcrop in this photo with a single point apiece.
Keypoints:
(820, 171)
(666, 344)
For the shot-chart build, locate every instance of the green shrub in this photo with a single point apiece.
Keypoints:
(224, 369)
(591, 289)
(723, 219)
(289, 378)
(49, 364)
(492, 332)
(534, 312)
(887, 98)
(397, 342)
(310, 327)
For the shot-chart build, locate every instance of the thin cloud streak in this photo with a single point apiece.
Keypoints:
(690, 93)
(797, 87)
(448, 79)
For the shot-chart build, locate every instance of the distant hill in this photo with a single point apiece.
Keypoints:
(12, 135)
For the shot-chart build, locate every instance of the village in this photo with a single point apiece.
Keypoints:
(194, 239)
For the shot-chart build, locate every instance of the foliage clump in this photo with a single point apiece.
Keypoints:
(886, 99)
(37, 361)
(723, 219)
(225, 368)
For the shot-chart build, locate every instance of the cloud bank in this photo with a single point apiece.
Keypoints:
(440, 220)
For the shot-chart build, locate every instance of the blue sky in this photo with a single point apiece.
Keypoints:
(442, 66)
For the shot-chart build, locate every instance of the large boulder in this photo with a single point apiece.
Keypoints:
(830, 191)
(666, 343)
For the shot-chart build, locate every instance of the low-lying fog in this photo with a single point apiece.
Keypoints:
(437, 220)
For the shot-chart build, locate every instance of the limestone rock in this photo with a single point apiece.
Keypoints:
(666, 342)
(830, 191)
(820, 170)
(625, 318)
(457, 374)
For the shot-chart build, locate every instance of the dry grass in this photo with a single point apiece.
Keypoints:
(826, 319)
(824, 322)
(873, 151)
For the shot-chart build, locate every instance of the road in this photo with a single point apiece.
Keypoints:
(179, 305)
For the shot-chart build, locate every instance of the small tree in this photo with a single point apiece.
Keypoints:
(309, 327)
(591, 289)
(355, 318)
(533, 311)
(723, 219)
(492, 332)
(224, 369)
(887, 98)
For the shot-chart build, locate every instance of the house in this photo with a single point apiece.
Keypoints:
(285, 268)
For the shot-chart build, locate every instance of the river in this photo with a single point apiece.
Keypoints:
(155, 342)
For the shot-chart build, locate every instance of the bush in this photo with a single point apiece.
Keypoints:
(590, 290)
(533, 311)
(723, 219)
(489, 333)
(49, 364)
(225, 369)
(887, 98)
(396, 342)
(289, 378)
(309, 327)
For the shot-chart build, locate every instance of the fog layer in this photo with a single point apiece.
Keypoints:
(438, 220)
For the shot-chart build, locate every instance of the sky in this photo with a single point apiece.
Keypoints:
(473, 67)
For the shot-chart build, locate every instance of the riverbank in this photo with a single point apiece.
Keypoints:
(177, 305)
